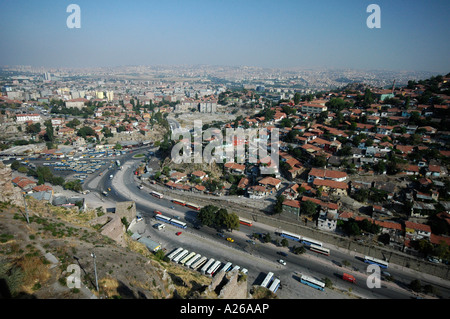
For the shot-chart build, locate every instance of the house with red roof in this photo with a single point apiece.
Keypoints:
(415, 231)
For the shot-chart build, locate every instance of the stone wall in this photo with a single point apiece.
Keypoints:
(8, 192)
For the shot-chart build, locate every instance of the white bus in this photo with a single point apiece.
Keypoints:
(227, 267)
(212, 270)
(199, 263)
(192, 260)
(320, 250)
(182, 255)
(375, 261)
(310, 281)
(236, 268)
(163, 218)
(156, 194)
(267, 280)
(172, 255)
(292, 236)
(207, 265)
(178, 223)
(275, 285)
(309, 241)
(189, 256)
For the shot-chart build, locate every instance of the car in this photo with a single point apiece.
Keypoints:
(251, 242)
(220, 235)
(179, 233)
(282, 253)
(140, 187)
(281, 261)
(231, 240)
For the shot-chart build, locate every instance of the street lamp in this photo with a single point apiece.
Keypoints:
(95, 271)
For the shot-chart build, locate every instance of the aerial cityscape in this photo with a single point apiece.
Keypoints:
(224, 151)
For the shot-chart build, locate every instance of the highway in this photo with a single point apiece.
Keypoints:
(258, 258)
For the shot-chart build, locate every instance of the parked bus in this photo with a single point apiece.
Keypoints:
(236, 268)
(199, 263)
(207, 265)
(309, 242)
(375, 261)
(275, 285)
(177, 223)
(181, 255)
(307, 280)
(172, 255)
(192, 260)
(245, 222)
(212, 270)
(156, 194)
(193, 206)
(226, 267)
(267, 280)
(287, 235)
(185, 259)
(320, 250)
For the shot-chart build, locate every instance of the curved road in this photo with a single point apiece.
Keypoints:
(124, 187)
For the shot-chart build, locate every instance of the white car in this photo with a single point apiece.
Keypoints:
(281, 261)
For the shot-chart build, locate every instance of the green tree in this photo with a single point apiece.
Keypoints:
(308, 208)
(231, 222)
(206, 215)
(49, 134)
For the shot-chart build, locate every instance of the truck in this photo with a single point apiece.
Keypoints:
(348, 278)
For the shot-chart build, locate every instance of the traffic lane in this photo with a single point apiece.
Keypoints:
(238, 243)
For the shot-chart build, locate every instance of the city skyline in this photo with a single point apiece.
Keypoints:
(268, 34)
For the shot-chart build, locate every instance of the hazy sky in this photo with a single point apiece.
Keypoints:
(414, 34)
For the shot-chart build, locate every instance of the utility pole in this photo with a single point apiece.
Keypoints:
(26, 209)
(95, 271)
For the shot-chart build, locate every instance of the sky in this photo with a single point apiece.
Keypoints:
(414, 34)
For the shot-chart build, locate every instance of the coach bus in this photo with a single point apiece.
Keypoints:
(172, 255)
(309, 242)
(199, 263)
(193, 206)
(185, 259)
(320, 250)
(267, 280)
(177, 223)
(179, 256)
(226, 267)
(212, 270)
(374, 261)
(156, 194)
(245, 222)
(163, 218)
(192, 260)
(287, 235)
(207, 265)
(307, 280)
(179, 202)
(275, 285)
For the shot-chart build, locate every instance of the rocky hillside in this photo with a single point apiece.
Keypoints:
(38, 256)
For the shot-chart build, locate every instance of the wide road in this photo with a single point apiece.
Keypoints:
(258, 257)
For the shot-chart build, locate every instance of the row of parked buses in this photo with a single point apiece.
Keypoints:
(195, 261)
